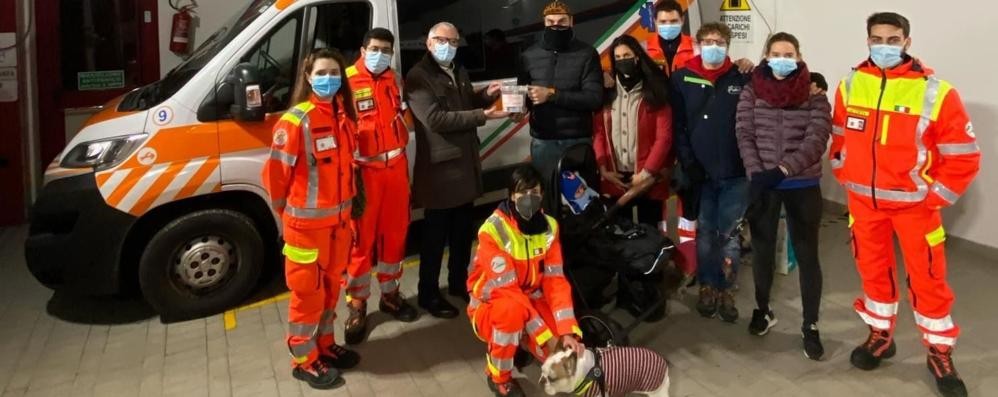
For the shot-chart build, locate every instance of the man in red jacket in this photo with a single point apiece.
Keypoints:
(903, 147)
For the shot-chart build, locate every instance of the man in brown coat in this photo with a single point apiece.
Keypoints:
(448, 170)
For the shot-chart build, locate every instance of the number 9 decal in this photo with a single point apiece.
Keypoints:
(163, 115)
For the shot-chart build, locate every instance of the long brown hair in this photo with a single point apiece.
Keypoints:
(303, 89)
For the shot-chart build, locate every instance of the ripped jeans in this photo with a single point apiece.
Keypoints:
(722, 206)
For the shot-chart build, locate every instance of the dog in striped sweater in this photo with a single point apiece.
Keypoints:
(611, 372)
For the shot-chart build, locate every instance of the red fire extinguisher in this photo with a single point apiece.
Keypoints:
(180, 32)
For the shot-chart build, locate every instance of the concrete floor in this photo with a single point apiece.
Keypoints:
(59, 345)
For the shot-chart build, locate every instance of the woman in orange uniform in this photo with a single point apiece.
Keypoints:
(309, 177)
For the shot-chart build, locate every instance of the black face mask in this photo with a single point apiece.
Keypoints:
(626, 67)
(557, 37)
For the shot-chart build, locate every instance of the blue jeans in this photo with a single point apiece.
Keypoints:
(722, 206)
(545, 154)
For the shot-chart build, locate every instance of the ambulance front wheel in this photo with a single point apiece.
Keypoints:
(201, 263)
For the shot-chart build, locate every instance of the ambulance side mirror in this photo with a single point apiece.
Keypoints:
(246, 99)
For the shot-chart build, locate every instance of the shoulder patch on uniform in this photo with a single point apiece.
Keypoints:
(351, 71)
(498, 264)
(280, 137)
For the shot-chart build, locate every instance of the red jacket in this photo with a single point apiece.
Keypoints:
(654, 151)
(380, 124)
(309, 174)
(683, 55)
(917, 147)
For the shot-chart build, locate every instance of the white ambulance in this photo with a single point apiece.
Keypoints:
(161, 189)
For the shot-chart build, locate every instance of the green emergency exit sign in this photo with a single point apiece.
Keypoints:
(100, 80)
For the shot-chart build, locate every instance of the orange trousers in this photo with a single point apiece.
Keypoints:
(920, 233)
(381, 230)
(507, 322)
(315, 261)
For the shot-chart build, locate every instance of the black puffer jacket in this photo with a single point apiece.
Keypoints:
(577, 77)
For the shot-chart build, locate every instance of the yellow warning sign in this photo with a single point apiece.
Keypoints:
(735, 5)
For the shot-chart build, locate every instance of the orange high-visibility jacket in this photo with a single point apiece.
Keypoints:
(380, 124)
(309, 175)
(514, 265)
(683, 55)
(902, 137)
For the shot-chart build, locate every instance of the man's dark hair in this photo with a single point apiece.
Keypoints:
(888, 18)
(669, 6)
(714, 27)
(524, 177)
(379, 34)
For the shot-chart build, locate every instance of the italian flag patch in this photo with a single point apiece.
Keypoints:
(902, 109)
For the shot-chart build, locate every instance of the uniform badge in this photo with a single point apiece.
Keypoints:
(324, 144)
(902, 109)
(365, 105)
(498, 264)
(970, 130)
(538, 251)
(280, 138)
(734, 90)
(856, 123)
(363, 93)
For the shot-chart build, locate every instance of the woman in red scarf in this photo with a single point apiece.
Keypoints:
(782, 130)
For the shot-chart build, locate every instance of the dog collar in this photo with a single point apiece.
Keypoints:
(594, 376)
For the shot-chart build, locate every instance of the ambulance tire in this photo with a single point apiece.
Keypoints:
(228, 236)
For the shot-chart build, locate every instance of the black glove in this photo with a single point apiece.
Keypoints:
(768, 179)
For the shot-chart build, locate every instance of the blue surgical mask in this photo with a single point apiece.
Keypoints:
(886, 56)
(377, 62)
(326, 86)
(782, 67)
(670, 32)
(444, 53)
(713, 54)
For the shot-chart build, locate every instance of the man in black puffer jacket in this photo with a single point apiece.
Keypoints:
(565, 87)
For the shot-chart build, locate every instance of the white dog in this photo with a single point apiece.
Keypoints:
(623, 370)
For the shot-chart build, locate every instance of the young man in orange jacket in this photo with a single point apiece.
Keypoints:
(381, 230)
(903, 147)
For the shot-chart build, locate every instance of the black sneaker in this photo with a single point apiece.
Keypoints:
(340, 358)
(762, 322)
(355, 328)
(940, 362)
(878, 346)
(507, 389)
(726, 308)
(318, 376)
(812, 342)
(707, 303)
(395, 305)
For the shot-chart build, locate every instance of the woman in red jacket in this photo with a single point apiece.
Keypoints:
(633, 137)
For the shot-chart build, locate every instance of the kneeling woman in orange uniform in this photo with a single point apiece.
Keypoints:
(309, 177)
(519, 294)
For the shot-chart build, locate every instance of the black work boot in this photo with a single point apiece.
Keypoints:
(395, 305)
(878, 346)
(509, 388)
(940, 362)
(355, 328)
(339, 357)
(726, 308)
(318, 376)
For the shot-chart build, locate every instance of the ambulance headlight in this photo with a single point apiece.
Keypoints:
(104, 153)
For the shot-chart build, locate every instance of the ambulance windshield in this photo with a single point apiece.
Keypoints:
(159, 91)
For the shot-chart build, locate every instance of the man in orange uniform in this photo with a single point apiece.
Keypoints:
(309, 178)
(519, 294)
(381, 230)
(904, 147)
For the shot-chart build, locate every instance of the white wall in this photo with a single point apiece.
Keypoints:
(209, 16)
(833, 39)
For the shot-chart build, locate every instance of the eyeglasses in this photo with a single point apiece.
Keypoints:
(446, 40)
(720, 43)
(381, 50)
